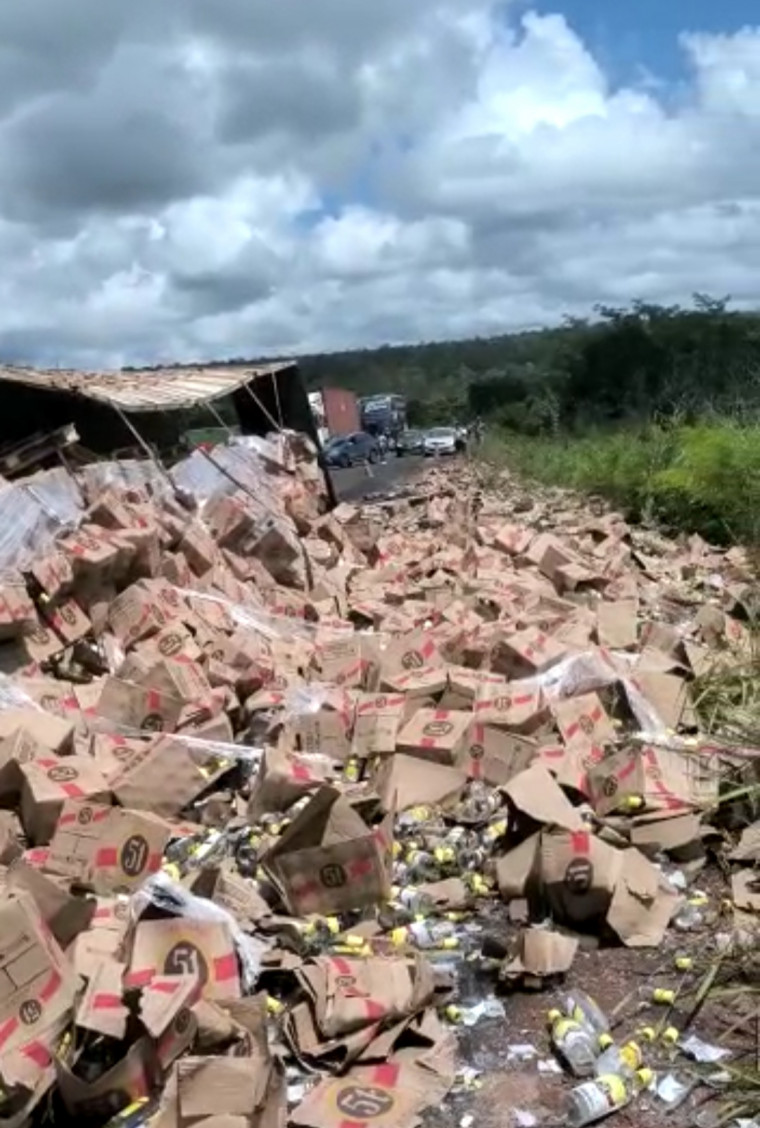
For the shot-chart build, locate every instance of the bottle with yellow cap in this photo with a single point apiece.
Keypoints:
(416, 902)
(594, 1100)
(624, 1060)
(574, 1042)
(580, 1006)
(434, 934)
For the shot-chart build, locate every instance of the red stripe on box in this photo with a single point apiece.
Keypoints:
(72, 790)
(107, 858)
(360, 868)
(140, 978)
(7, 1029)
(301, 773)
(50, 988)
(580, 841)
(341, 965)
(629, 769)
(38, 1053)
(105, 1001)
(226, 967)
(387, 1074)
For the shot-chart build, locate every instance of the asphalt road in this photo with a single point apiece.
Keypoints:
(359, 481)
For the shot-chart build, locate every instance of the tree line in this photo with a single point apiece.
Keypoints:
(631, 364)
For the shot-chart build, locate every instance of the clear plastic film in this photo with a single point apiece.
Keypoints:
(142, 474)
(584, 673)
(32, 514)
(13, 697)
(257, 617)
(167, 895)
(224, 470)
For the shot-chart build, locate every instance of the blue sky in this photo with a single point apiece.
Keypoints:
(628, 35)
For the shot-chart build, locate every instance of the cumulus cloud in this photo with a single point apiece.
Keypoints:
(184, 180)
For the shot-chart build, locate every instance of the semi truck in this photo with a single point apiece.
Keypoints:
(335, 411)
(383, 415)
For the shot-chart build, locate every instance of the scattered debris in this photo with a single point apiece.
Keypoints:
(297, 801)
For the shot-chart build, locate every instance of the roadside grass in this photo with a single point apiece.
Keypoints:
(702, 478)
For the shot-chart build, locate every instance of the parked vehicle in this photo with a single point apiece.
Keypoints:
(441, 440)
(348, 450)
(383, 415)
(336, 412)
(410, 442)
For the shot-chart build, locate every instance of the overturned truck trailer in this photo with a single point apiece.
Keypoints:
(105, 406)
(129, 430)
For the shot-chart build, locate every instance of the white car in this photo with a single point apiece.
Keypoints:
(441, 440)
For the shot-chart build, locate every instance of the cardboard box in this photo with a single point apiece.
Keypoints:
(587, 732)
(223, 1092)
(535, 794)
(329, 860)
(138, 707)
(136, 614)
(510, 707)
(376, 723)
(495, 756)
(47, 784)
(91, 551)
(200, 949)
(166, 774)
(68, 620)
(17, 749)
(105, 937)
(525, 653)
(128, 1081)
(37, 984)
(435, 734)
(669, 696)
(105, 848)
(618, 624)
(53, 573)
(350, 994)
(389, 1095)
(350, 660)
(408, 653)
(52, 732)
(579, 873)
(180, 679)
(66, 914)
(665, 779)
(283, 777)
(406, 781)
(17, 612)
(38, 643)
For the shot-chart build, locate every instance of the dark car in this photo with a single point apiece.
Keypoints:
(347, 450)
(410, 442)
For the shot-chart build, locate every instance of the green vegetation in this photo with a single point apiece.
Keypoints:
(702, 477)
(627, 365)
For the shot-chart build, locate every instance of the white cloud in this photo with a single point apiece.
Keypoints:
(192, 180)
